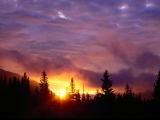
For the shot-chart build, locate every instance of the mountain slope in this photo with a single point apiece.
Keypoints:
(9, 75)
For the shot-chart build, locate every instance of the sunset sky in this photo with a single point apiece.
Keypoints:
(81, 39)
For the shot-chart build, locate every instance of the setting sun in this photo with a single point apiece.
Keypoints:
(62, 93)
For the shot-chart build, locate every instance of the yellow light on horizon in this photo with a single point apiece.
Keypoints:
(62, 93)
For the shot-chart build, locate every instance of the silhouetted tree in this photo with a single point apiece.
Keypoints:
(4, 91)
(72, 86)
(88, 97)
(83, 98)
(138, 98)
(107, 84)
(10, 86)
(2, 96)
(128, 94)
(119, 98)
(72, 90)
(25, 86)
(107, 87)
(78, 97)
(25, 93)
(36, 92)
(97, 97)
(1, 83)
(156, 91)
(5, 83)
(1, 77)
(36, 97)
(44, 87)
(127, 89)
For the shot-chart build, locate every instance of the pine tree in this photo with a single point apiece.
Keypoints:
(44, 86)
(5, 83)
(128, 94)
(36, 92)
(1, 84)
(25, 93)
(156, 91)
(36, 97)
(72, 86)
(107, 87)
(72, 90)
(88, 96)
(127, 89)
(25, 86)
(78, 97)
(107, 84)
(83, 98)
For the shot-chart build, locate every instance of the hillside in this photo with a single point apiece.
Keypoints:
(9, 75)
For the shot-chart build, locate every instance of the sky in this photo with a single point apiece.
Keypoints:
(82, 39)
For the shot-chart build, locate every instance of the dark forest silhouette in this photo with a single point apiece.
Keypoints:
(17, 100)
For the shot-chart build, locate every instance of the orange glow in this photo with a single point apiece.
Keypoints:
(62, 81)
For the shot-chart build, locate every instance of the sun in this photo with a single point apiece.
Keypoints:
(62, 93)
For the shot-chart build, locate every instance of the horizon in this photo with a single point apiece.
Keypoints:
(92, 92)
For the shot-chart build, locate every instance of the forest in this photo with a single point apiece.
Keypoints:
(17, 100)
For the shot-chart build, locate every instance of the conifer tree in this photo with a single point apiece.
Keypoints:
(156, 91)
(107, 87)
(5, 83)
(107, 84)
(72, 90)
(128, 94)
(88, 96)
(72, 86)
(44, 86)
(25, 93)
(25, 86)
(78, 97)
(36, 96)
(83, 98)
(1, 84)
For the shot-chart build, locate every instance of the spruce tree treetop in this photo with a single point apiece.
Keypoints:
(72, 86)
(107, 84)
(44, 85)
(44, 80)
(156, 91)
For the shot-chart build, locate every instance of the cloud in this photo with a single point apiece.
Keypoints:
(139, 83)
(58, 65)
(141, 64)
(148, 60)
(34, 65)
(44, 45)
(11, 30)
(26, 61)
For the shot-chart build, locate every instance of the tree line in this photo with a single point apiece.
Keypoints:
(17, 100)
